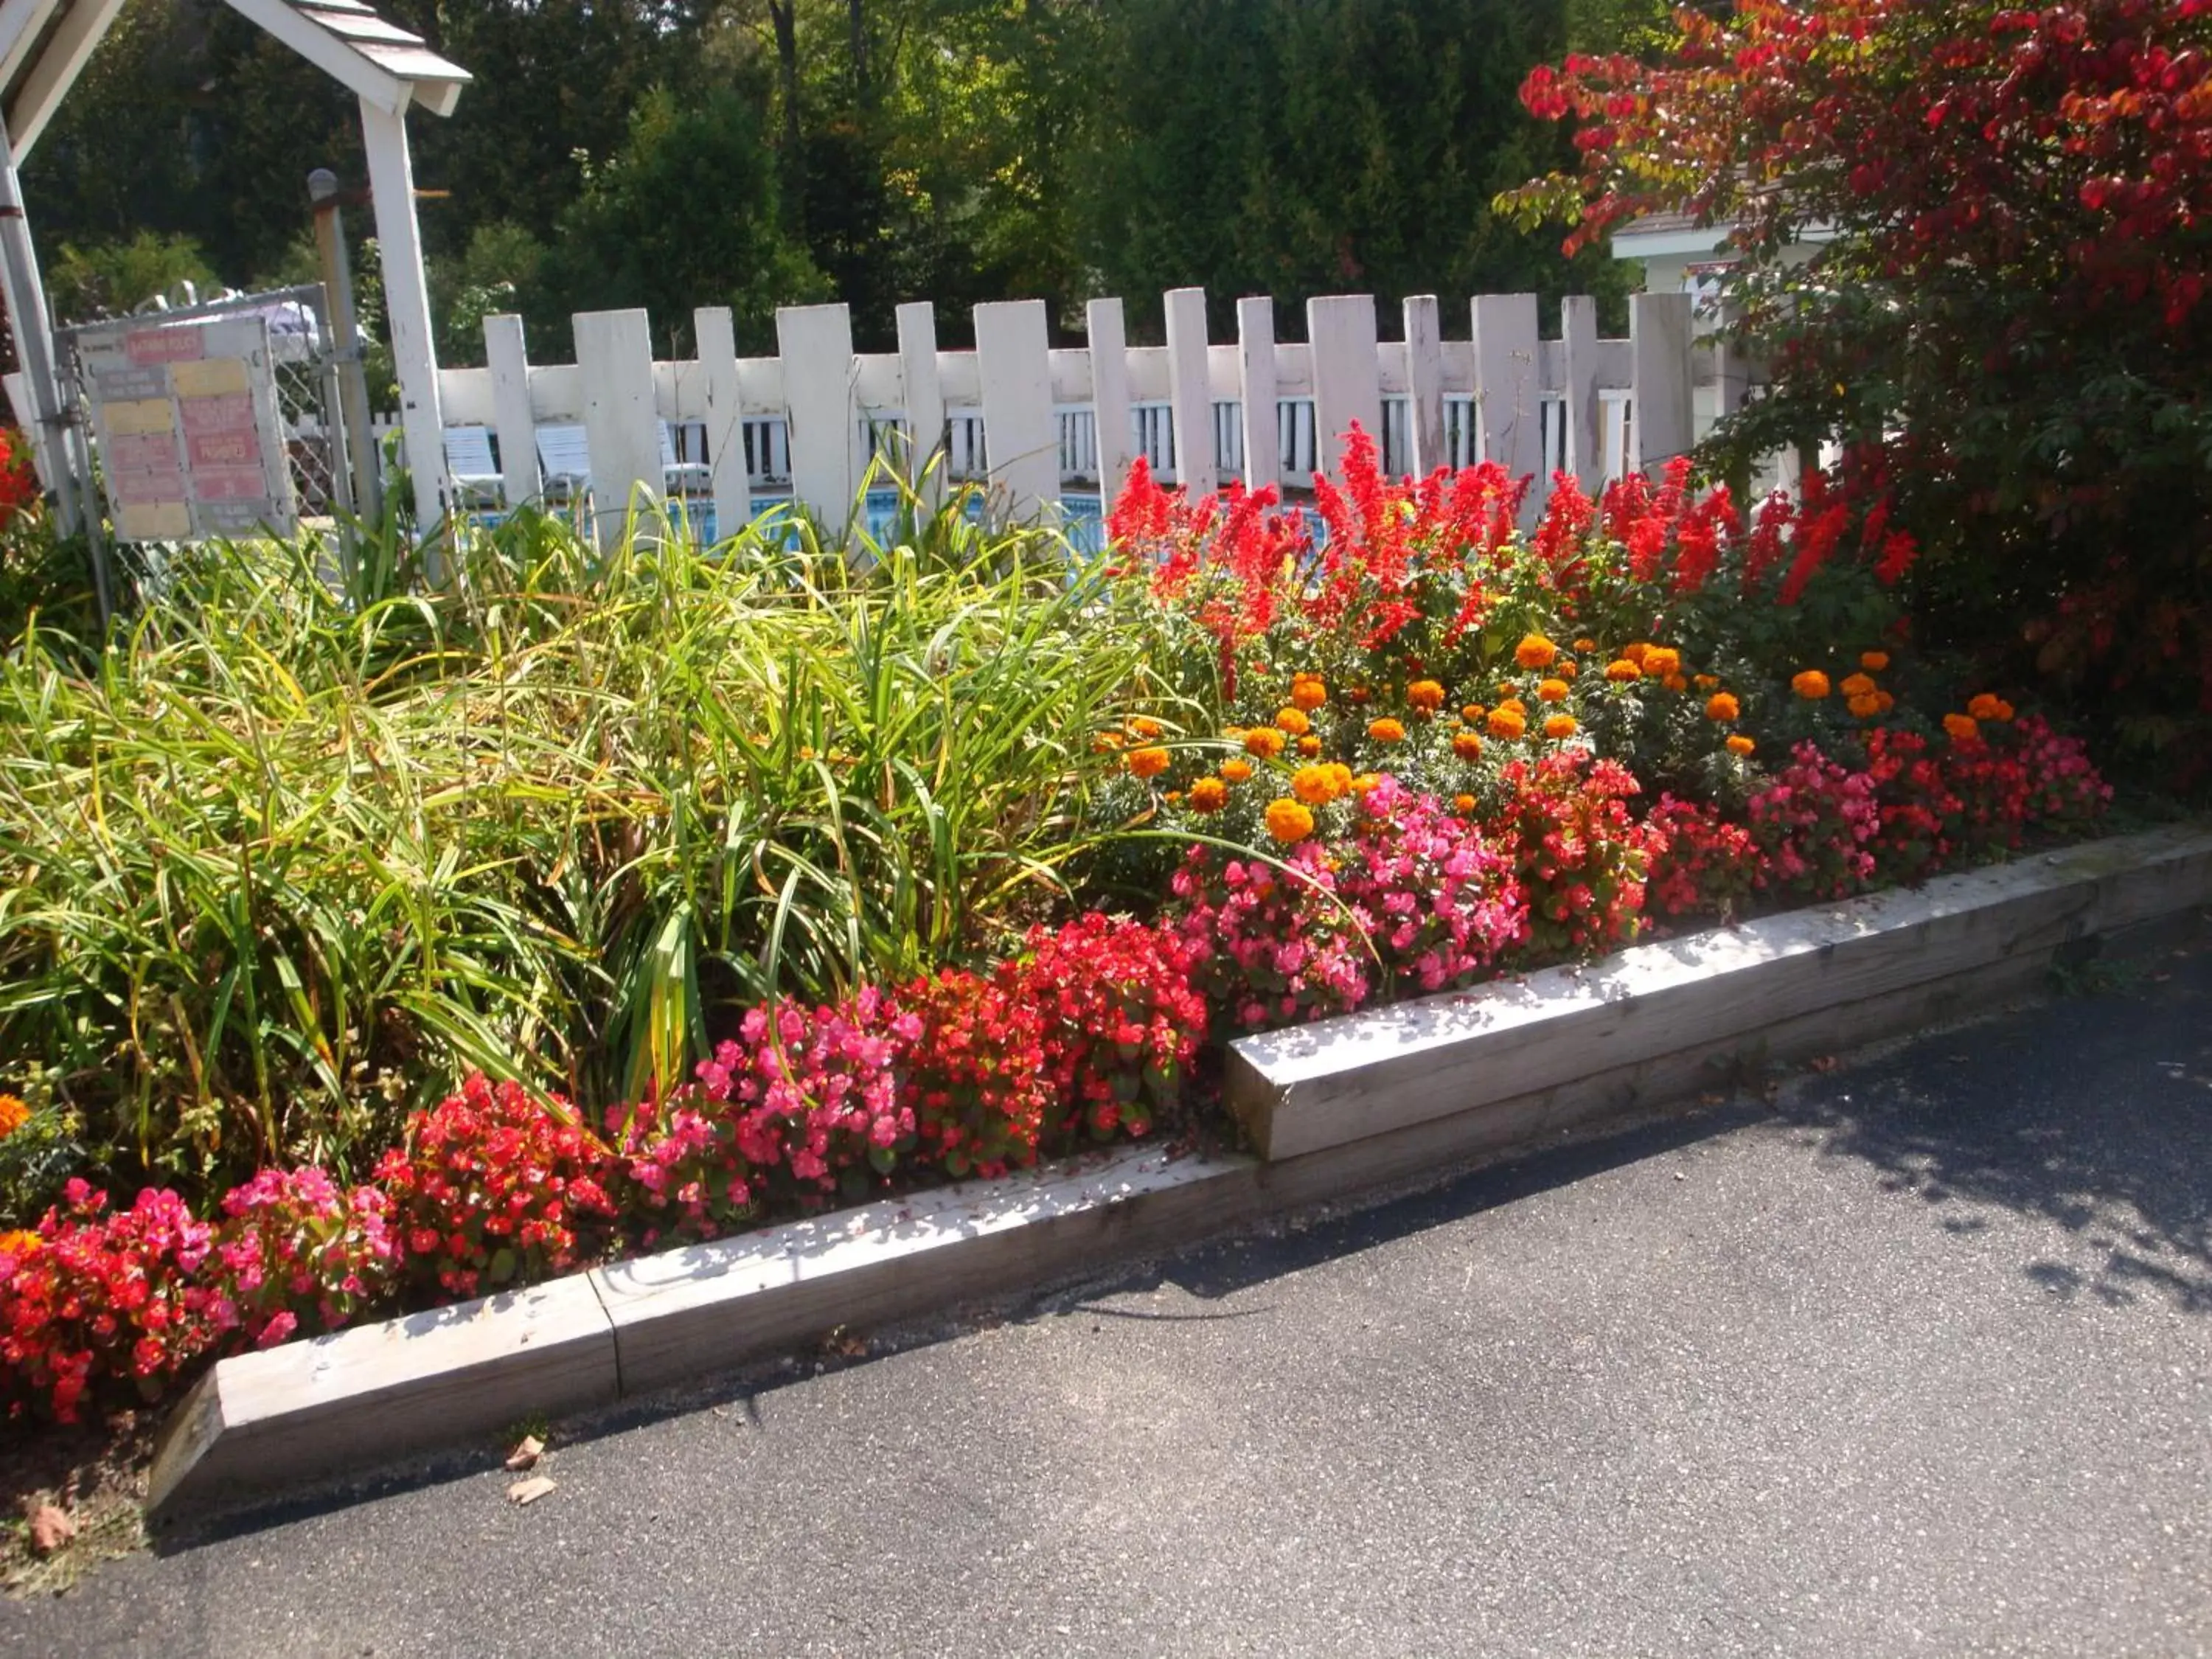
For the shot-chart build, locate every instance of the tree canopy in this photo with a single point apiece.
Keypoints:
(675, 153)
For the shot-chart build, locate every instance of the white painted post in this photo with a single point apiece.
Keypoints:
(1661, 420)
(827, 461)
(1424, 384)
(923, 393)
(1347, 374)
(1013, 363)
(1585, 456)
(1255, 368)
(717, 335)
(1508, 397)
(1109, 395)
(26, 297)
(1189, 395)
(512, 416)
(407, 308)
(614, 359)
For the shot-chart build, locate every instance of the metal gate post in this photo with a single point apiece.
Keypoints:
(345, 338)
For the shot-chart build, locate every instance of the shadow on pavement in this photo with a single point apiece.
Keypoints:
(2093, 1113)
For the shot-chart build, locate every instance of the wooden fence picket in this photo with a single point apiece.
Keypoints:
(614, 358)
(1189, 395)
(1013, 362)
(512, 417)
(1347, 378)
(924, 395)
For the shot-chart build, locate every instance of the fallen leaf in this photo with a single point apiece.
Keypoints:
(529, 1490)
(525, 1454)
(1822, 1062)
(51, 1529)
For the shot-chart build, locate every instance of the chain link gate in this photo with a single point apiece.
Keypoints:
(304, 359)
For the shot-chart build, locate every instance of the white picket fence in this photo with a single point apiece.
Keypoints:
(1036, 423)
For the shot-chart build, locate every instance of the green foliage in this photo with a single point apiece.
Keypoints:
(684, 215)
(106, 279)
(1293, 149)
(283, 859)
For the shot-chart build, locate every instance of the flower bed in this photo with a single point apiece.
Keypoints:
(1429, 751)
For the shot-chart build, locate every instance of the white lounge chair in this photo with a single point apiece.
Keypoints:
(564, 456)
(475, 472)
(681, 477)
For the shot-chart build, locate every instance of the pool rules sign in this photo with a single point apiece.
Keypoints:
(187, 418)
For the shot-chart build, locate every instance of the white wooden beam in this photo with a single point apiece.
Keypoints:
(21, 22)
(61, 59)
(1021, 438)
(827, 463)
(1661, 413)
(376, 88)
(513, 418)
(1348, 374)
(922, 393)
(1508, 390)
(614, 354)
(1585, 456)
(1255, 369)
(717, 333)
(1189, 397)
(1109, 395)
(1424, 384)
(406, 302)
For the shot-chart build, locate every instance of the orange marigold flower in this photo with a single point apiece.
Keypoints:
(1811, 685)
(1961, 728)
(1675, 683)
(1740, 745)
(1864, 707)
(1857, 685)
(1585, 645)
(1552, 691)
(1514, 705)
(1237, 770)
(1467, 745)
(1462, 804)
(20, 1244)
(1704, 682)
(1426, 696)
(1621, 671)
(1294, 721)
(1359, 695)
(1566, 668)
(1885, 702)
(1534, 651)
(1264, 741)
(1317, 786)
(1308, 746)
(1507, 723)
(1386, 730)
(1722, 706)
(1472, 713)
(1874, 661)
(1148, 761)
(1561, 725)
(1209, 795)
(1288, 822)
(14, 1115)
(1634, 651)
(1365, 782)
(1986, 705)
(1142, 727)
(1660, 660)
(1308, 692)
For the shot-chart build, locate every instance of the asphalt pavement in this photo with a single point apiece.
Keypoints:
(1914, 1357)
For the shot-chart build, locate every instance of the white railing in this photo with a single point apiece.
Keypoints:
(811, 420)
